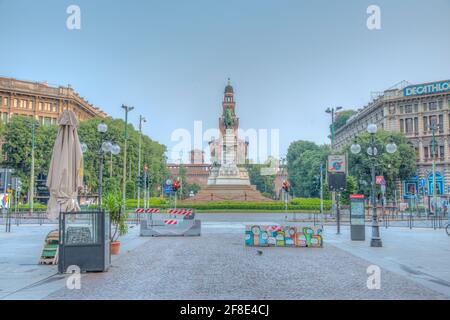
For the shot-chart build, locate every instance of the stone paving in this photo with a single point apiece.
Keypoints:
(219, 266)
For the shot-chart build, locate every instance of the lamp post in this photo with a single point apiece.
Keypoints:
(141, 120)
(33, 145)
(433, 127)
(124, 182)
(333, 111)
(105, 147)
(372, 152)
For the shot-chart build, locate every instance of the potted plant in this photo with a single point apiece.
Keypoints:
(112, 203)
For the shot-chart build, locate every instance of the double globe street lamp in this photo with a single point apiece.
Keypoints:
(106, 147)
(372, 152)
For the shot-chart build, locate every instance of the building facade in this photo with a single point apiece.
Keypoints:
(411, 110)
(42, 102)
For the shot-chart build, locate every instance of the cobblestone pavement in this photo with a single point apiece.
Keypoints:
(218, 266)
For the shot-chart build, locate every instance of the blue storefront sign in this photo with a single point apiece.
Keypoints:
(427, 88)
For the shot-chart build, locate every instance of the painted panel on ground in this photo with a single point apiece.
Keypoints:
(283, 236)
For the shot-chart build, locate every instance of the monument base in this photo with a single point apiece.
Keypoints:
(225, 192)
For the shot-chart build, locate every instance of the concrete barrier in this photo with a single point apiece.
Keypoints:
(283, 236)
(170, 222)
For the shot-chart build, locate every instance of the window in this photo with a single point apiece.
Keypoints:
(416, 125)
(432, 120)
(432, 106)
(409, 125)
(15, 103)
(402, 126)
(416, 107)
(401, 109)
(440, 104)
(425, 153)
(6, 100)
(441, 152)
(425, 106)
(408, 108)
(425, 124)
(441, 123)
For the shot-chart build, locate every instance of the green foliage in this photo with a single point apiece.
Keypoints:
(112, 203)
(264, 183)
(304, 159)
(154, 202)
(400, 165)
(352, 187)
(276, 205)
(311, 203)
(17, 134)
(341, 118)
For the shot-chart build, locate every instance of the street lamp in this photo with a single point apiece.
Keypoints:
(372, 151)
(434, 127)
(141, 120)
(105, 147)
(332, 111)
(124, 182)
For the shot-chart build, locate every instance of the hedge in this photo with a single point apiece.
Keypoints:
(305, 204)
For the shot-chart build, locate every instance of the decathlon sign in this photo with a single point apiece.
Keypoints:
(427, 88)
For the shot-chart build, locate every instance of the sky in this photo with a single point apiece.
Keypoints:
(288, 60)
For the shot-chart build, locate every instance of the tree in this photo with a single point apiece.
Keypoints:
(265, 182)
(341, 118)
(304, 159)
(17, 149)
(394, 167)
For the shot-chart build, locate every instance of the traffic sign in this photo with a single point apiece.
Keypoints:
(336, 163)
(380, 180)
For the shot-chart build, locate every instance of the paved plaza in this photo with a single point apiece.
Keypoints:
(217, 265)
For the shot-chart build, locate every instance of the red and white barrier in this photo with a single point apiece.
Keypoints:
(151, 210)
(170, 221)
(182, 212)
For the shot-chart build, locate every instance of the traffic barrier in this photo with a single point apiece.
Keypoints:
(170, 222)
(283, 236)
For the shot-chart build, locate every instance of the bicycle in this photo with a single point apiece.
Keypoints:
(447, 229)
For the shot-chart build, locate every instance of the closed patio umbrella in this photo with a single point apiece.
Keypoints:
(65, 176)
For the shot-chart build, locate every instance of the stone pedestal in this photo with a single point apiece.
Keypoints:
(228, 172)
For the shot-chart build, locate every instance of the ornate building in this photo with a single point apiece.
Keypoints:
(42, 102)
(411, 109)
